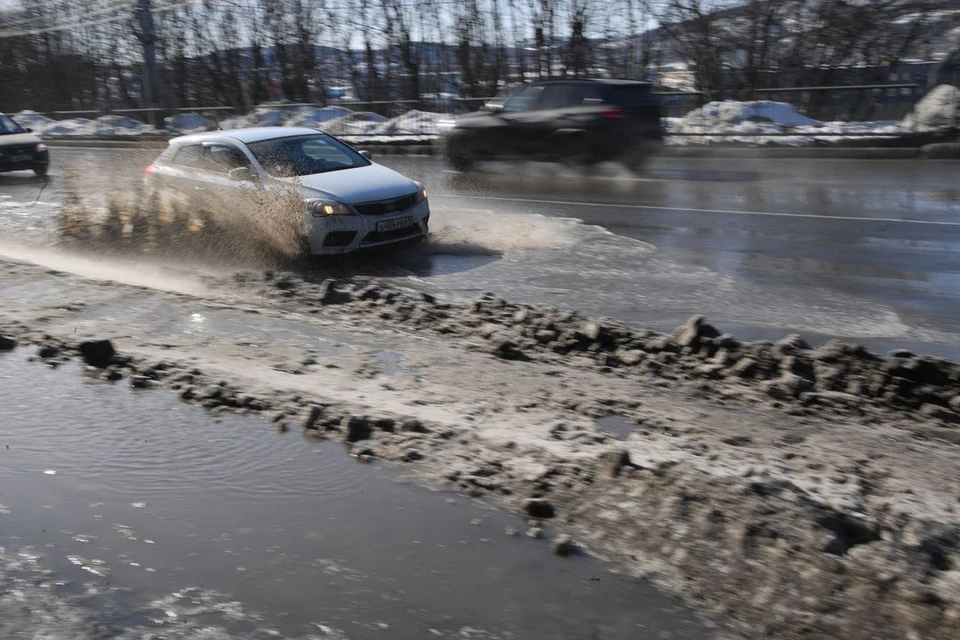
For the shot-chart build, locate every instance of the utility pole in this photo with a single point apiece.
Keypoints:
(152, 86)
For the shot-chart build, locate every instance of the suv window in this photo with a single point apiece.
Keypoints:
(629, 96)
(524, 100)
(588, 95)
(556, 96)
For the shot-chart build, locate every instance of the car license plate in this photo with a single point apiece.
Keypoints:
(396, 223)
(21, 158)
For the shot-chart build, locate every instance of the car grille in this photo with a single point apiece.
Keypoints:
(383, 207)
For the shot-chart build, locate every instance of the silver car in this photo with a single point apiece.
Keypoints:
(349, 202)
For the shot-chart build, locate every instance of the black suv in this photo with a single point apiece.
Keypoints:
(580, 122)
(20, 149)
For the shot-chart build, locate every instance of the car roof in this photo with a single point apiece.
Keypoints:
(246, 136)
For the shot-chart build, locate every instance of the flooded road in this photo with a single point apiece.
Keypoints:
(867, 251)
(126, 514)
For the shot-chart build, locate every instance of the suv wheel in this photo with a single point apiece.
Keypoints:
(576, 152)
(460, 162)
(637, 160)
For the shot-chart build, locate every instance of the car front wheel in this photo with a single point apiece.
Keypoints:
(460, 162)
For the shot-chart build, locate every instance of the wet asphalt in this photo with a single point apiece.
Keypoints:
(867, 251)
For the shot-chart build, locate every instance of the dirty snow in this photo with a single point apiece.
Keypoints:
(765, 122)
(337, 120)
(939, 108)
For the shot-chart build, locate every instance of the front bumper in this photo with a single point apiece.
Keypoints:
(37, 159)
(339, 234)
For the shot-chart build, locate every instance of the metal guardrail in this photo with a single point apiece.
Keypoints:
(676, 104)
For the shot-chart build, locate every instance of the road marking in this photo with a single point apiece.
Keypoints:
(650, 207)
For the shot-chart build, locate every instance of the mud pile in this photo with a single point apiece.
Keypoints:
(794, 492)
(835, 376)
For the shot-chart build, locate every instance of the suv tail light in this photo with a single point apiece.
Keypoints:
(149, 170)
(616, 114)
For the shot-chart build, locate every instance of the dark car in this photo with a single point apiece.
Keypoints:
(580, 122)
(20, 149)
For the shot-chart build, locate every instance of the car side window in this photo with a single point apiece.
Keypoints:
(190, 156)
(588, 96)
(524, 100)
(221, 158)
(557, 96)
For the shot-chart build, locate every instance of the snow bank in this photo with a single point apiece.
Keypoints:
(766, 123)
(416, 123)
(109, 125)
(758, 115)
(186, 122)
(939, 108)
(356, 123)
(32, 119)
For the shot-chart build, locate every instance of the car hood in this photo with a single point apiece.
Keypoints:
(16, 139)
(354, 186)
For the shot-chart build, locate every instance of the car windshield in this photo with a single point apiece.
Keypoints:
(305, 155)
(8, 126)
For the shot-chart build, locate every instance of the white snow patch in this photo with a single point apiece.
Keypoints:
(939, 108)
(715, 116)
(764, 122)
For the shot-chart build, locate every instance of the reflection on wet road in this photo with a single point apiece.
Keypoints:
(124, 513)
(863, 250)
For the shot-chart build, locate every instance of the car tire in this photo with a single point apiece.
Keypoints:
(41, 170)
(458, 151)
(576, 153)
(460, 162)
(636, 162)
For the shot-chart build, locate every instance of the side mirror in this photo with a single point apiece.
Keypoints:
(242, 174)
(366, 154)
(28, 130)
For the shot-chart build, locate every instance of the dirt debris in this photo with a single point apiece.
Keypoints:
(792, 492)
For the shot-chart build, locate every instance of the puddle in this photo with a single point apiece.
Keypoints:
(617, 426)
(390, 363)
(160, 522)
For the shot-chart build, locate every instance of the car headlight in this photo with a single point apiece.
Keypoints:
(421, 193)
(41, 147)
(320, 208)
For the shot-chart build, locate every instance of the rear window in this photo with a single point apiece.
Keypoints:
(630, 96)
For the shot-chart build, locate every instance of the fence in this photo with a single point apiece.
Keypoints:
(686, 116)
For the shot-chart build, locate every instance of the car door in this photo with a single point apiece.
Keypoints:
(552, 113)
(221, 192)
(517, 134)
(176, 179)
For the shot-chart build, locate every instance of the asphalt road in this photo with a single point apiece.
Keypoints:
(867, 251)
